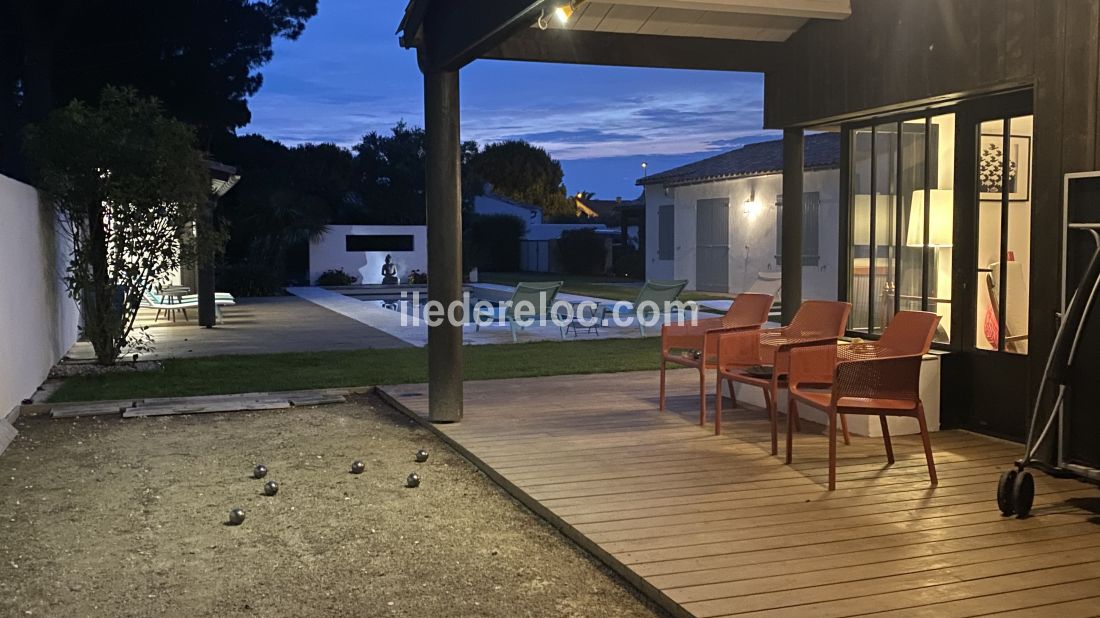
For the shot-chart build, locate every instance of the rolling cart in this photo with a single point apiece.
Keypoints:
(1061, 436)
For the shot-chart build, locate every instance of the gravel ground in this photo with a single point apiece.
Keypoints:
(112, 517)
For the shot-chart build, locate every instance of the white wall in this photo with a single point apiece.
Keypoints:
(38, 320)
(492, 205)
(330, 252)
(752, 235)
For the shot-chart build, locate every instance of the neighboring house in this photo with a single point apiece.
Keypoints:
(539, 247)
(609, 212)
(716, 222)
(489, 203)
(626, 217)
(361, 250)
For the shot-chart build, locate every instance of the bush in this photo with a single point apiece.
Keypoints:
(123, 178)
(628, 262)
(583, 252)
(250, 279)
(336, 276)
(492, 242)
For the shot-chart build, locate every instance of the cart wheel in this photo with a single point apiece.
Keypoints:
(1023, 494)
(1005, 499)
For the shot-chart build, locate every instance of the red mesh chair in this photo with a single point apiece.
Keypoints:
(880, 378)
(817, 322)
(696, 345)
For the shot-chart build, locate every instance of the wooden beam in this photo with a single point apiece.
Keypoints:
(810, 9)
(634, 50)
(455, 33)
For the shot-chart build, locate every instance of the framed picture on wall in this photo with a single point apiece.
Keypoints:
(990, 173)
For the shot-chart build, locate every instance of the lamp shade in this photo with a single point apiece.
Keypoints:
(861, 219)
(941, 209)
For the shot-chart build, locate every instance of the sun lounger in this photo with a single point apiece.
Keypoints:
(654, 295)
(538, 295)
(170, 305)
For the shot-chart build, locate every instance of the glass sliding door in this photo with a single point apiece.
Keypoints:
(1004, 231)
(900, 211)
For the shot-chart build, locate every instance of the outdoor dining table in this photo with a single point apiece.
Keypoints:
(173, 295)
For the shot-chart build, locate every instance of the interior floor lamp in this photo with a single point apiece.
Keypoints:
(937, 240)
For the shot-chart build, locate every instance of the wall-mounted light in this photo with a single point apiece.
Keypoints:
(751, 205)
(645, 169)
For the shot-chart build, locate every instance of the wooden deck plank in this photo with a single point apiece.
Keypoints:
(870, 580)
(1087, 607)
(715, 525)
(1024, 585)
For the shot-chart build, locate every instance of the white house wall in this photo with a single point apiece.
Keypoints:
(38, 320)
(330, 252)
(752, 235)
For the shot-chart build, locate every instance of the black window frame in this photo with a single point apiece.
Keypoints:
(899, 122)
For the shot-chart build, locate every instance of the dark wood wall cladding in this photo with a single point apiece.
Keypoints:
(890, 53)
(894, 54)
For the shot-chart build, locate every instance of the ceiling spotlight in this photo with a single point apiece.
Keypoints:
(563, 12)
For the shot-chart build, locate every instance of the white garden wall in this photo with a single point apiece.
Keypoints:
(38, 321)
(331, 251)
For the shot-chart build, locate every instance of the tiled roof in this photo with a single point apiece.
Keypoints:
(822, 151)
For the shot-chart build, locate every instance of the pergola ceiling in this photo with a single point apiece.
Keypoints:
(749, 20)
(720, 35)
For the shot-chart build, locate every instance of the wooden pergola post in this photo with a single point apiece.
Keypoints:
(205, 281)
(444, 218)
(793, 158)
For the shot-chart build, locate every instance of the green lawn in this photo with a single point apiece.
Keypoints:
(611, 288)
(282, 372)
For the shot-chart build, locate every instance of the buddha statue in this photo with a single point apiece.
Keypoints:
(389, 271)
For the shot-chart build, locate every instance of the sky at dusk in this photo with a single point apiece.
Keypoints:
(347, 75)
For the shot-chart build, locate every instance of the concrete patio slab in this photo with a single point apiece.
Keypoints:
(257, 326)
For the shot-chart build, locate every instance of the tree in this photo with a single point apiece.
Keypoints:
(198, 57)
(125, 180)
(524, 173)
(390, 176)
(285, 198)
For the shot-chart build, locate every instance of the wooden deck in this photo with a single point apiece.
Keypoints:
(715, 526)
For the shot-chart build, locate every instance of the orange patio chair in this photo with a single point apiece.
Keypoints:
(817, 322)
(696, 345)
(880, 378)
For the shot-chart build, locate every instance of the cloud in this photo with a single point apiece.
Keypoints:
(347, 76)
(575, 135)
